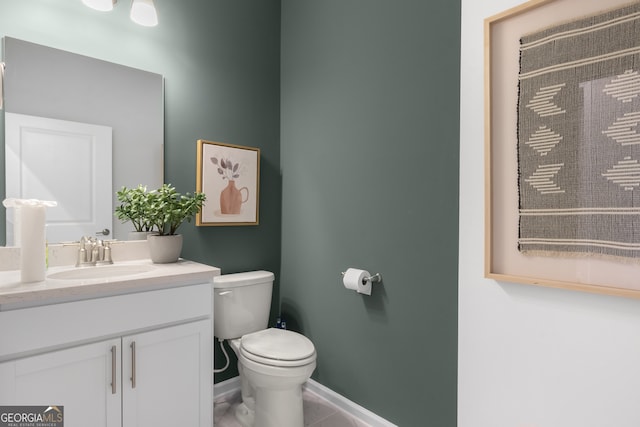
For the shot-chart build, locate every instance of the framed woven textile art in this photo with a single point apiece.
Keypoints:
(562, 110)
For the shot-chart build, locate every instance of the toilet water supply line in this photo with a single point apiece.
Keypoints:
(226, 356)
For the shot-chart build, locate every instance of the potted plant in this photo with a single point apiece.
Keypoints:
(167, 210)
(134, 207)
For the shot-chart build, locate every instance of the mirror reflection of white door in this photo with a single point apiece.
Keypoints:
(67, 162)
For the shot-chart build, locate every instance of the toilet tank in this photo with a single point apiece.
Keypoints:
(241, 303)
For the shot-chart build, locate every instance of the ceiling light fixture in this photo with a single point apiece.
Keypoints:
(101, 5)
(143, 12)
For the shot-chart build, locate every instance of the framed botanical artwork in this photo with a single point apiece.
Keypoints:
(562, 145)
(229, 175)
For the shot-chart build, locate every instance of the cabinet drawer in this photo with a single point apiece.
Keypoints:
(36, 329)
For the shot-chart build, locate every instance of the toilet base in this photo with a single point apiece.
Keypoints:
(279, 408)
(276, 392)
(245, 416)
(271, 395)
(272, 408)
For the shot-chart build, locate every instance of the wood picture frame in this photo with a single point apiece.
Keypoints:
(503, 261)
(229, 175)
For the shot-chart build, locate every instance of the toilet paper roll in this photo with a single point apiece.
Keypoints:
(31, 235)
(32, 243)
(357, 280)
(16, 226)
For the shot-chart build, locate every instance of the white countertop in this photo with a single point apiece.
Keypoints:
(14, 294)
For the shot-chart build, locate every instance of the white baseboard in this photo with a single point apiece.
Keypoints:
(225, 388)
(346, 405)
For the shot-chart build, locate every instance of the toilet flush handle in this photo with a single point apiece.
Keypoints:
(223, 293)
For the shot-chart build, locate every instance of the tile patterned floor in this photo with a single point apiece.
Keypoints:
(317, 412)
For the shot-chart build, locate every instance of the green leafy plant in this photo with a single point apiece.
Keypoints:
(134, 207)
(168, 209)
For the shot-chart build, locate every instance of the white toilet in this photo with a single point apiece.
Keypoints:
(273, 363)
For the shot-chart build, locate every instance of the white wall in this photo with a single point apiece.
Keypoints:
(531, 356)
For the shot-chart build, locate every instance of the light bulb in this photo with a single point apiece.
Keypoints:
(101, 5)
(143, 12)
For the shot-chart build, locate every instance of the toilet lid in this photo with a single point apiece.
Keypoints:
(278, 344)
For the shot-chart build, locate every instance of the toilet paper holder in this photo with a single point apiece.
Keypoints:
(376, 278)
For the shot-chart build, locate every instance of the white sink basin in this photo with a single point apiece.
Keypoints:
(100, 272)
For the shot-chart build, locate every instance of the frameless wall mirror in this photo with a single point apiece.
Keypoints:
(77, 129)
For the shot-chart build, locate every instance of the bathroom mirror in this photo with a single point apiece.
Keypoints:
(51, 84)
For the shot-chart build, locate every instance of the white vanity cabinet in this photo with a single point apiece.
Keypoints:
(143, 358)
(163, 377)
(77, 378)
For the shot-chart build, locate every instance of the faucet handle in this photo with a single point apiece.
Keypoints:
(107, 253)
(86, 248)
(82, 254)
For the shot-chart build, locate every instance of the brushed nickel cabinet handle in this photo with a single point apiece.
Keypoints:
(113, 370)
(133, 364)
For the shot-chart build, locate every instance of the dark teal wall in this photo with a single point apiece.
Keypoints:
(370, 143)
(359, 163)
(220, 59)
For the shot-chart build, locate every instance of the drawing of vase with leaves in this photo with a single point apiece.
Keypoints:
(231, 197)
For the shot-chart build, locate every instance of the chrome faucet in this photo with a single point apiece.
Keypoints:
(92, 251)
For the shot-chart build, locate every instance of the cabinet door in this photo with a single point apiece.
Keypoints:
(168, 377)
(78, 378)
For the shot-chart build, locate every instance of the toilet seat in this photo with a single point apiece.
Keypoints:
(278, 347)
